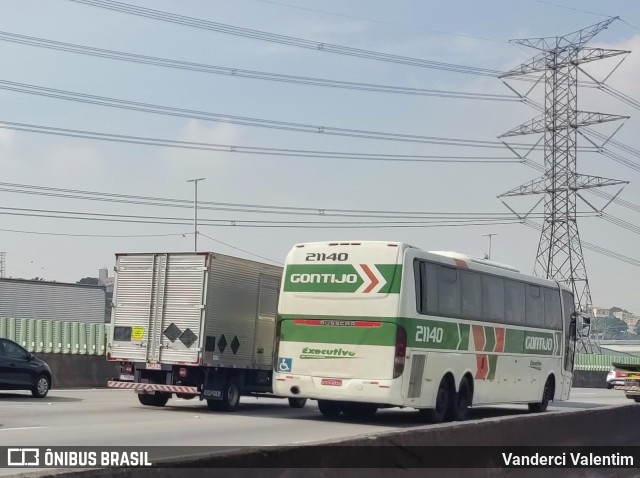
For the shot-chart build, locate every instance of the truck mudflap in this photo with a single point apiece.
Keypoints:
(153, 387)
(628, 389)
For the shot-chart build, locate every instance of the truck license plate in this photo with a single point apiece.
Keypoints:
(331, 382)
(154, 366)
(127, 378)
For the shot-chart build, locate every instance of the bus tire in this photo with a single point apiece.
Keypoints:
(153, 400)
(295, 402)
(547, 396)
(463, 401)
(359, 410)
(443, 400)
(329, 408)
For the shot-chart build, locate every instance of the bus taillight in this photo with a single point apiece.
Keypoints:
(277, 345)
(401, 350)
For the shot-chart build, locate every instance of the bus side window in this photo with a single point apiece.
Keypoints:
(552, 312)
(426, 287)
(513, 300)
(471, 293)
(493, 298)
(534, 307)
(449, 291)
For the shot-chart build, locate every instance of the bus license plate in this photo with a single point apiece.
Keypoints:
(154, 366)
(332, 382)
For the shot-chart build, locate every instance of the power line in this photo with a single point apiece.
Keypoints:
(238, 249)
(240, 73)
(132, 219)
(233, 207)
(283, 39)
(439, 217)
(106, 236)
(244, 120)
(399, 25)
(228, 148)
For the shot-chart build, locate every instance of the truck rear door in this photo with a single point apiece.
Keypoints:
(159, 307)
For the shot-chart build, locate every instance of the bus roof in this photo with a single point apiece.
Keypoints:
(476, 263)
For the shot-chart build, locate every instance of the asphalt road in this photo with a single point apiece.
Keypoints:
(115, 418)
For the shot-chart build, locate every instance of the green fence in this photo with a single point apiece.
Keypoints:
(602, 362)
(55, 336)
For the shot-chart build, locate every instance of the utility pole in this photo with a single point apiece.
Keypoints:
(557, 64)
(195, 212)
(488, 255)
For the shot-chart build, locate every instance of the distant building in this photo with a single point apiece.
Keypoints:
(600, 312)
(105, 280)
(35, 299)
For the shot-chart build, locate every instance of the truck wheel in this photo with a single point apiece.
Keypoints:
(155, 400)
(297, 402)
(636, 399)
(329, 408)
(547, 396)
(230, 398)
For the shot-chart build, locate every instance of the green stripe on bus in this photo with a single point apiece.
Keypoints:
(385, 334)
(421, 333)
(490, 335)
(493, 363)
(343, 278)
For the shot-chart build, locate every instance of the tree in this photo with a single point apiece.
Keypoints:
(89, 281)
(610, 328)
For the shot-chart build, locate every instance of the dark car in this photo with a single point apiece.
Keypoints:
(21, 370)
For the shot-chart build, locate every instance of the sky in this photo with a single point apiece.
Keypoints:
(461, 32)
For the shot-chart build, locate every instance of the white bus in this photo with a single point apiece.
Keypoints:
(366, 325)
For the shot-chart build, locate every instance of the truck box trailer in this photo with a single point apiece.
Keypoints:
(194, 325)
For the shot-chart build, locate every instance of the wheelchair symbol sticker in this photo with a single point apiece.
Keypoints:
(284, 365)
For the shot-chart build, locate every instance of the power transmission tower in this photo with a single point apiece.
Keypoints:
(559, 255)
(3, 267)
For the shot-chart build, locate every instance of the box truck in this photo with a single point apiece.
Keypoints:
(194, 325)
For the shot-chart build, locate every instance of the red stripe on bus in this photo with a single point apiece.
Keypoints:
(368, 324)
(499, 339)
(306, 322)
(374, 280)
(479, 339)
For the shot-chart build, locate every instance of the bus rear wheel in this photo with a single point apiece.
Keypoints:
(441, 408)
(329, 408)
(463, 401)
(547, 396)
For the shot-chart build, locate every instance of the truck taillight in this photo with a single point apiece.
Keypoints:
(182, 372)
(127, 368)
(401, 350)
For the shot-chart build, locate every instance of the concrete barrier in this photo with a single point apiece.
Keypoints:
(80, 371)
(407, 450)
(589, 379)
